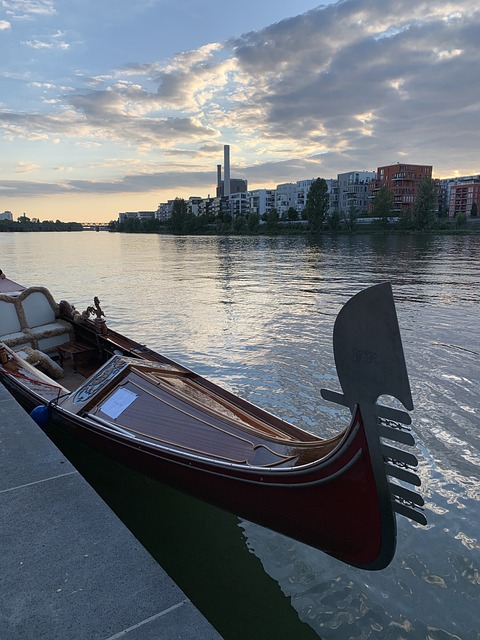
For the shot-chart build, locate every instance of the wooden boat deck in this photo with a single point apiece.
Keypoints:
(171, 408)
(176, 412)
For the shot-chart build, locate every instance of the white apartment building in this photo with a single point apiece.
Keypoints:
(125, 215)
(354, 190)
(302, 187)
(194, 205)
(332, 185)
(141, 215)
(237, 204)
(164, 210)
(285, 198)
(261, 201)
(6, 215)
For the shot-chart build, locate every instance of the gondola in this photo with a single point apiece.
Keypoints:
(339, 494)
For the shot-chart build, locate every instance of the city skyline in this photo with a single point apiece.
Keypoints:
(98, 116)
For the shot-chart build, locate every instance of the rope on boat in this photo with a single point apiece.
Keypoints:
(22, 376)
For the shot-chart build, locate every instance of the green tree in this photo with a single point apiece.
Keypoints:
(133, 225)
(350, 217)
(317, 204)
(382, 207)
(178, 220)
(151, 225)
(426, 203)
(474, 210)
(292, 214)
(240, 224)
(227, 220)
(443, 211)
(271, 219)
(461, 220)
(334, 220)
(253, 222)
(406, 219)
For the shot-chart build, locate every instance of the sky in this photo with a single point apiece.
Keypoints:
(118, 105)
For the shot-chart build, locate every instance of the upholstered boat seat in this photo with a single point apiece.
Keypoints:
(31, 320)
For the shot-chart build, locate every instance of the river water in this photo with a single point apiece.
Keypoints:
(256, 315)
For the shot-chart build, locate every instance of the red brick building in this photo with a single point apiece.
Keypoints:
(463, 197)
(402, 180)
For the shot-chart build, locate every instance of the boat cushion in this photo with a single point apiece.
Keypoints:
(17, 339)
(51, 329)
(30, 320)
(38, 309)
(9, 322)
(50, 344)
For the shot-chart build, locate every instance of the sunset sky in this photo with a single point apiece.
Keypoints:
(109, 106)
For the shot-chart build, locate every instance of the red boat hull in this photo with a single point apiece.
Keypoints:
(333, 504)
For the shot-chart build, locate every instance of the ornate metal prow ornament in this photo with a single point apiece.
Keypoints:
(370, 363)
(97, 310)
(69, 310)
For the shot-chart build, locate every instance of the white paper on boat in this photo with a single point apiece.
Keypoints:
(118, 402)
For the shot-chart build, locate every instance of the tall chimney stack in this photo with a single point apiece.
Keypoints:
(226, 170)
(219, 180)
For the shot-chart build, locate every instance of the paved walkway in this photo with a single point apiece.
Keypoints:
(69, 569)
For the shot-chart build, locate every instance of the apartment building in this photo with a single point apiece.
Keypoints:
(354, 190)
(402, 180)
(164, 210)
(261, 201)
(463, 197)
(333, 203)
(285, 198)
(302, 187)
(237, 204)
(194, 205)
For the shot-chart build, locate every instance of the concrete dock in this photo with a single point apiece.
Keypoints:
(69, 568)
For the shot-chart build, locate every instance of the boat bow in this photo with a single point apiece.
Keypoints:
(370, 364)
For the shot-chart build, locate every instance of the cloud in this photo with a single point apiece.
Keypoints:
(51, 41)
(42, 44)
(26, 167)
(4, 25)
(128, 184)
(28, 9)
(348, 86)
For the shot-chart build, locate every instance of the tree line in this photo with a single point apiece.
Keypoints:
(183, 221)
(23, 223)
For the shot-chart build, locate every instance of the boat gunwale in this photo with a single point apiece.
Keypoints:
(152, 442)
(154, 445)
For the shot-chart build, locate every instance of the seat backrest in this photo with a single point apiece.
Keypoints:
(9, 321)
(38, 309)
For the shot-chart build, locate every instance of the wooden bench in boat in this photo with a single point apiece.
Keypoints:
(75, 351)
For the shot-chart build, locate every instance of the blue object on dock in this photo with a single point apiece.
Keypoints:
(41, 415)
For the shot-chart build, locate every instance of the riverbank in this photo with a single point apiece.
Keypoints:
(70, 569)
(441, 227)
